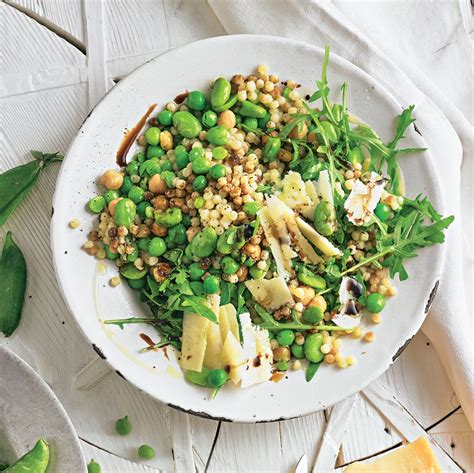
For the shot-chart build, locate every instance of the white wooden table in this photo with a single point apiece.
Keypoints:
(59, 58)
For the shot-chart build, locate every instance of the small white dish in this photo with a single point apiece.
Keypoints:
(84, 281)
(30, 410)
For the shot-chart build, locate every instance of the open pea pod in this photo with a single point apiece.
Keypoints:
(35, 461)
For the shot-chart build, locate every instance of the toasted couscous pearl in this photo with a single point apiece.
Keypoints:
(369, 337)
(329, 359)
(296, 365)
(74, 223)
(376, 318)
(351, 361)
(115, 281)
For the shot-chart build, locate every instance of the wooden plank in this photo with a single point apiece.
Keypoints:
(181, 440)
(203, 433)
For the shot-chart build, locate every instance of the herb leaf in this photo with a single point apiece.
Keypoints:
(13, 286)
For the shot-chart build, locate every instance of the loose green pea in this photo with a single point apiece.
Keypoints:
(311, 279)
(182, 157)
(331, 132)
(141, 208)
(166, 165)
(297, 351)
(196, 153)
(125, 212)
(229, 266)
(152, 135)
(196, 272)
(201, 165)
(285, 337)
(169, 217)
(93, 467)
(313, 315)
(325, 218)
(211, 285)
(123, 426)
(256, 272)
(252, 110)
(165, 117)
(217, 171)
(282, 366)
(97, 204)
(127, 185)
(132, 167)
(139, 157)
(187, 124)
(271, 148)
(196, 100)
(154, 152)
(375, 302)
(177, 234)
(136, 194)
(286, 92)
(355, 156)
(168, 177)
(110, 195)
(251, 208)
(149, 212)
(262, 122)
(109, 254)
(136, 283)
(199, 183)
(150, 167)
(132, 257)
(312, 347)
(251, 123)
(143, 243)
(217, 378)
(157, 246)
(209, 118)
(204, 243)
(219, 153)
(220, 92)
(146, 452)
(382, 211)
(217, 135)
(199, 202)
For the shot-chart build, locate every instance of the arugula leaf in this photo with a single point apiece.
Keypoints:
(198, 306)
(311, 370)
(404, 120)
(199, 378)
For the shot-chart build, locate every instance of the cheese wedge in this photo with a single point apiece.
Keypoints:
(319, 241)
(416, 457)
(194, 341)
(270, 293)
(228, 322)
(213, 353)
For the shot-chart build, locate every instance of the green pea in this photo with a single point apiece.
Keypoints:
(123, 426)
(154, 152)
(209, 118)
(110, 195)
(313, 315)
(132, 257)
(286, 92)
(93, 467)
(256, 272)
(143, 243)
(210, 285)
(196, 272)
(109, 254)
(168, 177)
(187, 124)
(204, 243)
(312, 347)
(229, 266)
(297, 351)
(150, 167)
(196, 287)
(196, 100)
(165, 117)
(382, 211)
(229, 104)
(129, 271)
(220, 92)
(141, 208)
(201, 165)
(217, 135)
(125, 212)
(311, 279)
(139, 157)
(251, 208)
(252, 110)
(126, 185)
(182, 156)
(150, 212)
(251, 123)
(97, 204)
(152, 135)
(169, 217)
(217, 171)
(177, 234)
(271, 148)
(132, 167)
(219, 153)
(186, 220)
(199, 183)
(285, 337)
(136, 283)
(157, 246)
(331, 132)
(375, 303)
(262, 122)
(166, 165)
(136, 194)
(282, 366)
(196, 153)
(355, 156)
(146, 452)
(199, 201)
(325, 218)
(217, 378)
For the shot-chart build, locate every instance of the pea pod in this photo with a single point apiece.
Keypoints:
(187, 124)
(230, 103)
(307, 277)
(252, 110)
(204, 243)
(325, 218)
(271, 148)
(36, 460)
(130, 271)
(125, 212)
(12, 287)
(217, 135)
(220, 92)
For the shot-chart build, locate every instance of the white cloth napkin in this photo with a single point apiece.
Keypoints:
(446, 130)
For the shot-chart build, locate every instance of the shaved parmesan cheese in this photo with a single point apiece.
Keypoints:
(275, 213)
(228, 321)
(363, 199)
(295, 195)
(324, 187)
(312, 191)
(319, 241)
(213, 353)
(270, 293)
(349, 316)
(194, 341)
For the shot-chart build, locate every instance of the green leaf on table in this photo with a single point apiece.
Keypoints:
(13, 285)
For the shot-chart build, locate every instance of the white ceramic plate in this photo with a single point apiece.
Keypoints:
(30, 410)
(84, 280)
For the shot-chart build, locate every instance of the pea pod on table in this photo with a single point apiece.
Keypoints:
(35, 461)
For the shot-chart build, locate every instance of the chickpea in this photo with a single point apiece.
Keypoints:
(227, 119)
(303, 294)
(166, 140)
(158, 231)
(112, 204)
(191, 232)
(157, 185)
(299, 132)
(161, 271)
(112, 180)
(242, 273)
(281, 354)
(318, 301)
(253, 251)
(160, 203)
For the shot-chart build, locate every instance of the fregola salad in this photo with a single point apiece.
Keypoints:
(260, 229)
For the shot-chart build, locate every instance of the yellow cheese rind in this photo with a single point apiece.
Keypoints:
(416, 457)
(194, 341)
